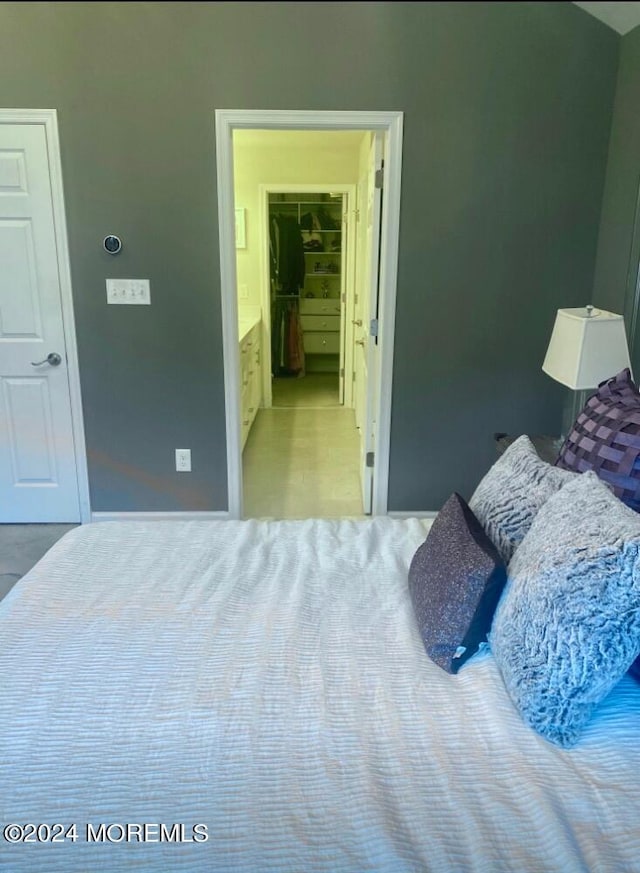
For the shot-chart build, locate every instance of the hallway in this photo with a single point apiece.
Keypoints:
(302, 462)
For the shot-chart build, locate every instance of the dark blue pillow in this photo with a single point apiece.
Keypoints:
(455, 579)
(634, 669)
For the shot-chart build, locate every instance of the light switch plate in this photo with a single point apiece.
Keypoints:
(183, 460)
(129, 291)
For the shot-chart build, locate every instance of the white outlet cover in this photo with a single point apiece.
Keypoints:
(183, 460)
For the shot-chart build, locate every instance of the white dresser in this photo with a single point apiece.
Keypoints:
(320, 319)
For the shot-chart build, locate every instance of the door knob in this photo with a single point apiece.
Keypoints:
(52, 358)
(357, 322)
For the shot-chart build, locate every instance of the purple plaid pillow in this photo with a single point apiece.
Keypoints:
(606, 438)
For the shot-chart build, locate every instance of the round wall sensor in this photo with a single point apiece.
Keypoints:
(112, 244)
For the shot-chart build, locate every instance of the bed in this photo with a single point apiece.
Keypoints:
(256, 696)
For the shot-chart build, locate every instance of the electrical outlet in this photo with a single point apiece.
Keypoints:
(243, 292)
(183, 460)
(129, 291)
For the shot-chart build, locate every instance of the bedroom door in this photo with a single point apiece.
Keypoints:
(366, 364)
(38, 479)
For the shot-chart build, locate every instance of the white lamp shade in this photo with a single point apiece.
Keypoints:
(585, 349)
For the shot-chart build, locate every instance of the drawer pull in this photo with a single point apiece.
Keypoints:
(359, 342)
(246, 422)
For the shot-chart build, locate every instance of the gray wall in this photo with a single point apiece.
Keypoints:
(507, 115)
(616, 273)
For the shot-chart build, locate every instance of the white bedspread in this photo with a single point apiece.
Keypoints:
(267, 680)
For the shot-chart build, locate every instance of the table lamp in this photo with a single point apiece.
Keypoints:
(587, 346)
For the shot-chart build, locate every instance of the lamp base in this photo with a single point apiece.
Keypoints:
(571, 408)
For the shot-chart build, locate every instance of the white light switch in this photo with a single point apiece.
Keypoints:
(243, 292)
(129, 291)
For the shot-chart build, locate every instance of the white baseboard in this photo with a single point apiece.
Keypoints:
(159, 516)
(215, 516)
(417, 513)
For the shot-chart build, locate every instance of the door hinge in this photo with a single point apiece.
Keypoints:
(379, 177)
(373, 329)
(342, 372)
(369, 459)
(353, 376)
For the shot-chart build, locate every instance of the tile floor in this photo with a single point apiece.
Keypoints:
(302, 460)
(21, 546)
(312, 390)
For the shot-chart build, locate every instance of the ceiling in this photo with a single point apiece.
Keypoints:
(622, 17)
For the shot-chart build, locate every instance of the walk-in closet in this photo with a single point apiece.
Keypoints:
(307, 292)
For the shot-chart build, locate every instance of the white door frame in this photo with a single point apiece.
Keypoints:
(228, 120)
(48, 118)
(349, 193)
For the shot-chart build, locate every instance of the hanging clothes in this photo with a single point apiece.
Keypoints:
(287, 253)
(287, 352)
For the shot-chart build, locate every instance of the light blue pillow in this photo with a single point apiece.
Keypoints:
(568, 625)
(510, 495)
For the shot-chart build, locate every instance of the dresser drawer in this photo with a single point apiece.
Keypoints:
(320, 322)
(319, 306)
(322, 343)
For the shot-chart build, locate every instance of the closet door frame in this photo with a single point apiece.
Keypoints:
(348, 200)
(390, 124)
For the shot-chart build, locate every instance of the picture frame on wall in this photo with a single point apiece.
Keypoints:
(241, 229)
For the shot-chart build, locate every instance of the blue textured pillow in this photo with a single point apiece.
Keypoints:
(510, 495)
(568, 624)
(455, 580)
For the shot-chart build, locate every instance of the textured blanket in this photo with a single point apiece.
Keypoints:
(255, 696)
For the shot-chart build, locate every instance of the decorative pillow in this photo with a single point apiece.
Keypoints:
(568, 624)
(508, 498)
(455, 580)
(634, 669)
(606, 438)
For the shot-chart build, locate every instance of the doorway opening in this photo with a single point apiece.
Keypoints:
(300, 457)
(287, 357)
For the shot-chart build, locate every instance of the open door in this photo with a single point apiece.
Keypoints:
(347, 242)
(365, 354)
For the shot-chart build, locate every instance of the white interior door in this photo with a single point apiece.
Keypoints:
(38, 478)
(366, 364)
(345, 243)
